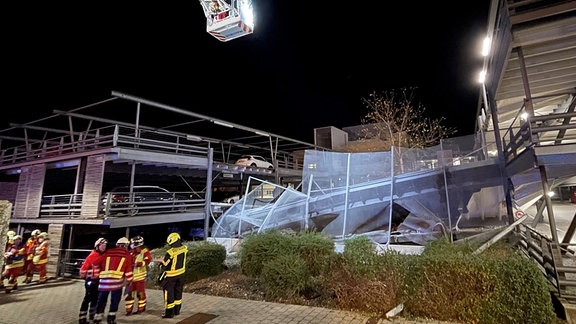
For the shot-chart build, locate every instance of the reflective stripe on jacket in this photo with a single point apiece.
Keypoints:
(114, 268)
(175, 261)
(41, 254)
(86, 271)
(15, 258)
(145, 257)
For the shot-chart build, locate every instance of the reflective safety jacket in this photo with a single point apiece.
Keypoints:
(143, 257)
(86, 271)
(41, 253)
(174, 263)
(114, 268)
(30, 247)
(14, 256)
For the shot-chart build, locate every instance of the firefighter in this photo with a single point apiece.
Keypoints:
(9, 236)
(29, 249)
(14, 257)
(89, 303)
(114, 268)
(40, 259)
(172, 279)
(142, 258)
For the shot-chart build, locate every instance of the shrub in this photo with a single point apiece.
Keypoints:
(360, 257)
(448, 282)
(522, 295)
(204, 259)
(449, 288)
(315, 249)
(285, 276)
(362, 280)
(256, 249)
(373, 294)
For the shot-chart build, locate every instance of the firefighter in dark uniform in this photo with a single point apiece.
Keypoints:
(172, 278)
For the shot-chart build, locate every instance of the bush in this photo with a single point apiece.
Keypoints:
(362, 280)
(205, 259)
(256, 249)
(285, 276)
(315, 249)
(360, 257)
(448, 282)
(522, 294)
(373, 294)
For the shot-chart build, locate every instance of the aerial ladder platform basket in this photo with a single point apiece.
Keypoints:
(228, 20)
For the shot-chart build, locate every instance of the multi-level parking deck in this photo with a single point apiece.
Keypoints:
(59, 172)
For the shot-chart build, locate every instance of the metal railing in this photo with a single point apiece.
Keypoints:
(105, 137)
(70, 205)
(70, 261)
(556, 260)
(539, 131)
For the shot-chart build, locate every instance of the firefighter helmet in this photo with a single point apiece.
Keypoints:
(137, 241)
(122, 240)
(43, 235)
(10, 234)
(16, 237)
(173, 238)
(99, 242)
(35, 232)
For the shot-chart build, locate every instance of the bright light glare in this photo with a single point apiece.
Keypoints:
(486, 46)
(551, 193)
(524, 116)
(247, 13)
(482, 77)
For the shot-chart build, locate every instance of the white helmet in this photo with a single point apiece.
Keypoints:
(99, 242)
(43, 235)
(10, 234)
(123, 240)
(35, 232)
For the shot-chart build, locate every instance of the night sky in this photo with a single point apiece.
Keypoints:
(307, 65)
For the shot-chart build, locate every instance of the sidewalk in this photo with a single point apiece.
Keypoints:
(58, 301)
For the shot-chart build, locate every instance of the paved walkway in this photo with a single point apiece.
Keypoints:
(58, 301)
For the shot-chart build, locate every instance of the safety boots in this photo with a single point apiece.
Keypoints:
(177, 309)
(111, 319)
(168, 313)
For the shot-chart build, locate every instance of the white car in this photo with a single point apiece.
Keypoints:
(231, 200)
(254, 161)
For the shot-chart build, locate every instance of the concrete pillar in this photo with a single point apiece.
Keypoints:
(55, 234)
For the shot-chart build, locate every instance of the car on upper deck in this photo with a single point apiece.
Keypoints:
(254, 161)
(146, 198)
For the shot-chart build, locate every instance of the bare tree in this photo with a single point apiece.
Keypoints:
(394, 119)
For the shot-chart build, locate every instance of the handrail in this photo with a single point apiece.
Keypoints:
(105, 137)
(539, 131)
(543, 251)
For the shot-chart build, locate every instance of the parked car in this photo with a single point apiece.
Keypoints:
(254, 161)
(232, 199)
(146, 198)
